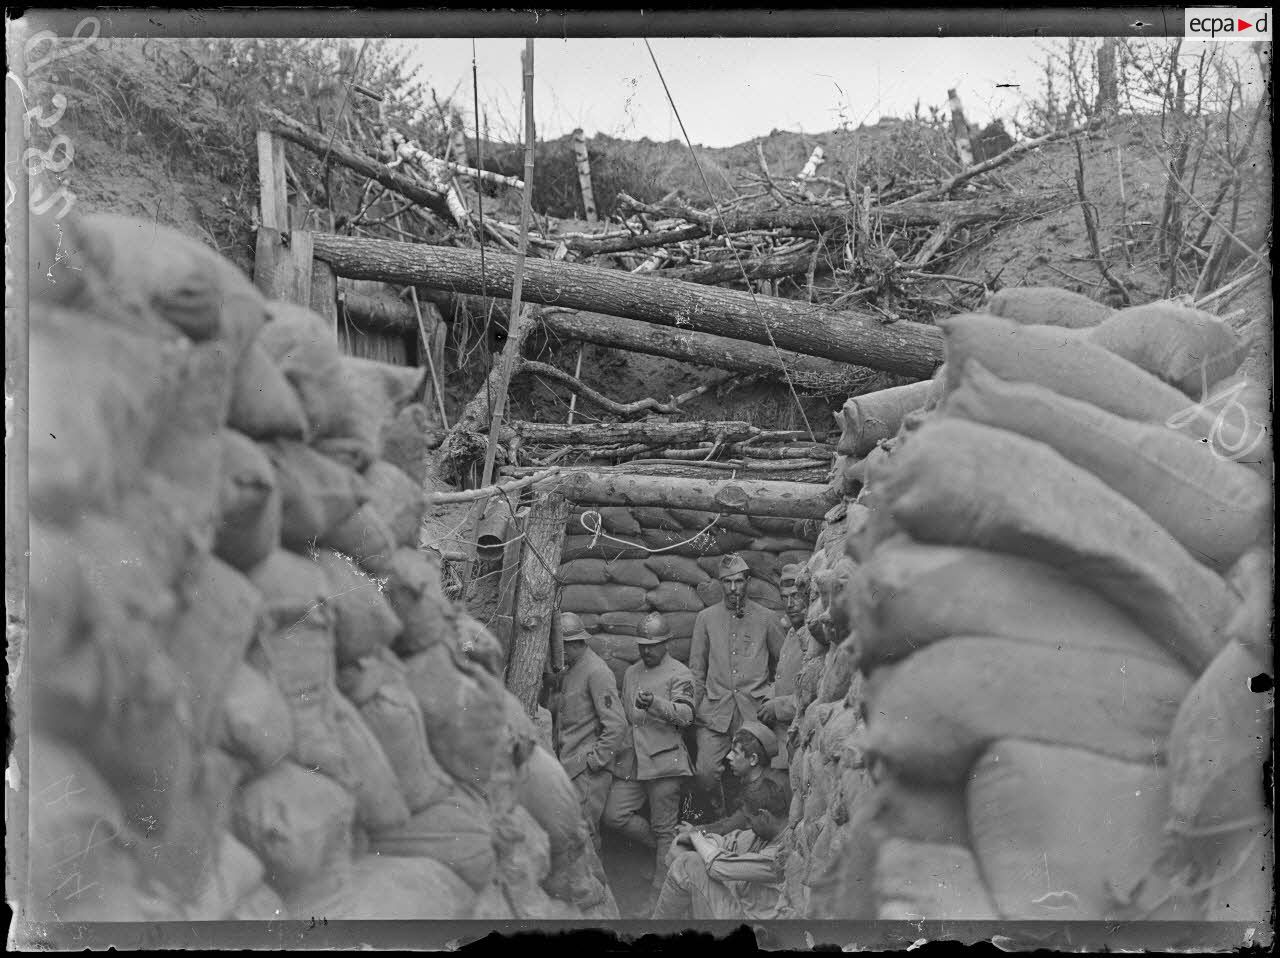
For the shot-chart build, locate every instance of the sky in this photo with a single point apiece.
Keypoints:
(730, 90)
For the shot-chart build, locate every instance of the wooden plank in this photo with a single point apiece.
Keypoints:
(324, 292)
(274, 207)
(536, 599)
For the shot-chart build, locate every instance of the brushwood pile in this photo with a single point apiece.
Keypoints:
(1048, 604)
(250, 698)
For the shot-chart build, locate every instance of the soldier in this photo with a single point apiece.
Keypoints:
(591, 724)
(652, 764)
(754, 746)
(736, 644)
(779, 710)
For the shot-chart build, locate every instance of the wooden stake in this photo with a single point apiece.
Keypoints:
(577, 374)
(960, 129)
(584, 175)
(544, 531)
(436, 382)
(282, 261)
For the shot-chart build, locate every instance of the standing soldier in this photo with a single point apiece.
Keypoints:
(657, 694)
(780, 709)
(736, 644)
(591, 723)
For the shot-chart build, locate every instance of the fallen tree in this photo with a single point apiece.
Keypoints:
(755, 497)
(912, 349)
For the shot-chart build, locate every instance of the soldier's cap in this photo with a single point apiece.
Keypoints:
(761, 733)
(572, 629)
(791, 572)
(731, 564)
(654, 629)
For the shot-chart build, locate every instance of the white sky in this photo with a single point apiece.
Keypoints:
(729, 90)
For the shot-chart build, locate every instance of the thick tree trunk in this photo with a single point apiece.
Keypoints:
(535, 601)
(754, 497)
(378, 315)
(912, 349)
(808, 373)
(825, 217)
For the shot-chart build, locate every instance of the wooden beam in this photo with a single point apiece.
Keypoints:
(909, 348)
(536, 599)
(324, 292)
(755, 497)
(282, 261)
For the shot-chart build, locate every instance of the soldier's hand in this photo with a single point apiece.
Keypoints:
(766, 713)
(644, 698)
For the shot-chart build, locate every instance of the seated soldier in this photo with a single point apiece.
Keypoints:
(733, 876)
(750, 760)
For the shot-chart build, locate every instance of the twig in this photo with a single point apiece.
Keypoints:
(431, 363)
(501, 488)
(1091, 226)
(577, 374)
(533, 367)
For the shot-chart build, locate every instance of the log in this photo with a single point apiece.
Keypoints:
(875, 416)
(791, 263)
(376, 314)
(808, 373)
(338, 151)
(839, 216)
(536, 598)
(909, 348)
(584, 174)
(652, 432)
(754, 497)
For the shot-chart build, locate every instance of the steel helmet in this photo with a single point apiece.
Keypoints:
(571, 628)
(654, 629)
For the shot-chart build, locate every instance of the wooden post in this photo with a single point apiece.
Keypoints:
(324, 292)
(282, 262)
(960, 129)
(458, 145)
(584, 174)
(1108, 90)
(535, 601)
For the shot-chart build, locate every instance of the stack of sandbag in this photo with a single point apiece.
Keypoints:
(250, 692)
(651, 559)
(1041, 582)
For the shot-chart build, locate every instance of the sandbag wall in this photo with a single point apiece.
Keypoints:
(1056, 591)
(250, 698)
(650, 559)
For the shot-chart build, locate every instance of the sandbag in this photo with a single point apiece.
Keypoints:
(933, 714)
(675, 597)
(916, 880)
(1048, 306)
(256, 721)
(655, 517)
(1186, 347)
(295, 646)
(363, 619)
(261, 904)
(588, 547)
(669, 568)
(1054, 826)
(397, 499)
(681, 623)
(615, 520)
(455, 832)
(680, 647)
(388, 887)
(208, 641)
(462, 706)
(298, 823)
(1214, 507)
(378, 391)
(917, 812)
(249, 503)
(605, 598)
(154, 279)
(1067, 364)
(874, 416)
(1239, 410)
(236, 874)
(481, 646)
(365, 537)
(1252, 578)
(633, 572)
(408, 439)
(378, 686)
(911, 594)
(960, 483)
(87, 444)
(305, 349)
(413, 587)
(621, 623)
(81, 851)
(372, 779)
(316, 492)
(263, 403)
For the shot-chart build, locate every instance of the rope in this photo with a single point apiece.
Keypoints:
(598, 533)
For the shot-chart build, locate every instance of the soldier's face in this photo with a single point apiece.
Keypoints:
(796, 604)
(651, 655)
(573, 651)
(735, 590)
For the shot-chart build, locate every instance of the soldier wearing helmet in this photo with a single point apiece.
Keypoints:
(591, 724)
(652, 764)
(736, 644)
